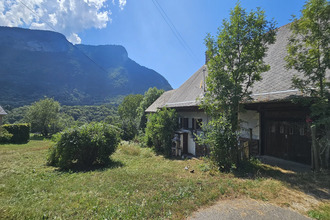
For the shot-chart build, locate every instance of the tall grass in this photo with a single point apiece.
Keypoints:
(140, 185)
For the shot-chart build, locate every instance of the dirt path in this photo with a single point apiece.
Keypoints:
(248, 209)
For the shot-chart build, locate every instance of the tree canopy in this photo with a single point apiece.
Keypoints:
(127, 111)
(149, 97)
(309, 54)
(235, 63)
(160, 130)
(309, 47)
(43, 116)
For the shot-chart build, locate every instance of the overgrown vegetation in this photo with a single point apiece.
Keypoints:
(20, 133)
(149, 97)
(160, 130)
(44, 116)
(235, 63)
(141, 185)
(84, 146)
(127, 112)
(309, 54)
(5, 136)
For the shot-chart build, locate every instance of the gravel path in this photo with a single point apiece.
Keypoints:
(245, 209)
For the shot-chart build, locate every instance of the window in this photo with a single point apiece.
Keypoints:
(291, 130)
(185, 123)
(302, 131)
(273, 128)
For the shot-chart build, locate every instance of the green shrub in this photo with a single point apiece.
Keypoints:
(85, 146)
(160, 129)
(20, 132)
(5, 136)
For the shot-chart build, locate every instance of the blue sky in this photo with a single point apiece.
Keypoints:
(140, 28)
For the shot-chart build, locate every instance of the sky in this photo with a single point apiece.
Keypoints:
(164, 35)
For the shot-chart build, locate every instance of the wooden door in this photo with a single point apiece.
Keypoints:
(287, 140)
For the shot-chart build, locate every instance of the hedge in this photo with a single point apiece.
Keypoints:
(20, 132)
(5, 136)
(85, 146)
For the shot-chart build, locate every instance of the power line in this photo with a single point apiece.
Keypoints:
(174, 29)
(37, 15)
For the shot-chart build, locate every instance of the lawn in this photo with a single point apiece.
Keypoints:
(142, 185)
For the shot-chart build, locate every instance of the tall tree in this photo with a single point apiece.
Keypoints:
(43, 116)
(149, 97)
(235, 63)
(127, 111)
(309, 54)
(309, 47)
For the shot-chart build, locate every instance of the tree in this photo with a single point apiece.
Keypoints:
(235, 63)
(160, 129)
(127, 111)
(149, 97)
(43, 116)
(309, 54)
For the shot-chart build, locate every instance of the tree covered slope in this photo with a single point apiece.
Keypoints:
(38, 63)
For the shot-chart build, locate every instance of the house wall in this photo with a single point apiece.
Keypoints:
(0, 119)
(191, 144)
(250, 119)
(190, 115)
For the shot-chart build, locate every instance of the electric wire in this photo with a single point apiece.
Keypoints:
(174, 30)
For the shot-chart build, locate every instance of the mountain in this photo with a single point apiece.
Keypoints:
(35, 64)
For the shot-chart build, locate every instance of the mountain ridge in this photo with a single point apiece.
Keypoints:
(38, 63)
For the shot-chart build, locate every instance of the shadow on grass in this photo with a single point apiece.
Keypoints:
(96, 167)
(316, 184)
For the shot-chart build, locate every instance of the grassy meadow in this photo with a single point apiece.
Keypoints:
(141, 185)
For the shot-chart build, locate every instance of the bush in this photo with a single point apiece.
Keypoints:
(160, 130)
(219, 136)
(5, 136)
(20, 132)
(85, 146)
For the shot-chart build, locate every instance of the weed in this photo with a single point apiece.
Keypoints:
(321, 212)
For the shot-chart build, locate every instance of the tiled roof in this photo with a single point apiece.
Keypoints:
(188, 93)
(2, 112)
(160, 102)
(276, 84)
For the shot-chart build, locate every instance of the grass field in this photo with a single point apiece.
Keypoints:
(140, 184)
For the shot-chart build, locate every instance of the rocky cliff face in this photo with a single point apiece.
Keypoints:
(37, 63)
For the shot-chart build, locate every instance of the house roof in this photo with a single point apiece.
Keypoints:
(275, 85)
(160, 102)
(2, 112)
(188, 93)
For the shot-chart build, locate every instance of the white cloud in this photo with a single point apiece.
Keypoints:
(74, 38)
(122, 3)
(66, 16)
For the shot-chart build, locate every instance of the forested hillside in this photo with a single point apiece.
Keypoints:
(35, 64)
